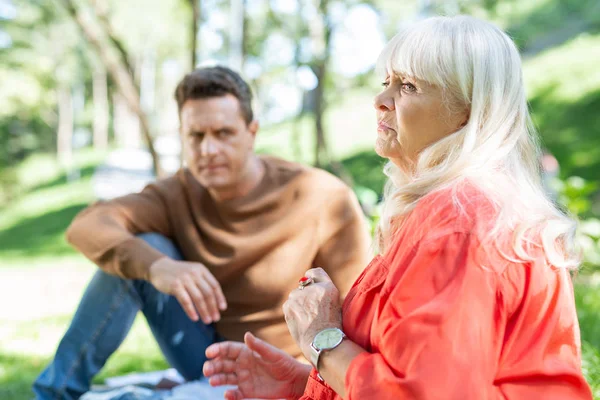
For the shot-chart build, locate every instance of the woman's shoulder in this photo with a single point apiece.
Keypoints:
(461, 207)
(465, 211)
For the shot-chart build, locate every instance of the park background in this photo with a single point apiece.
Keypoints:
(87, 112)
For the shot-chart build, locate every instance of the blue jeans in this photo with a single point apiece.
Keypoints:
(103, 320)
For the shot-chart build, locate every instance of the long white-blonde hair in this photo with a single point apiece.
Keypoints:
(478, 67)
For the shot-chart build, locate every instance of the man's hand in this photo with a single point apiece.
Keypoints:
(192, 284)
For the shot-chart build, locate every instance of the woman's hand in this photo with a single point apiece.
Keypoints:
(258, 369)
(316, 307)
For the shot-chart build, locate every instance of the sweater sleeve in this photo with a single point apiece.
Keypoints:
(442, 328)
(344, 249)
(105, 232)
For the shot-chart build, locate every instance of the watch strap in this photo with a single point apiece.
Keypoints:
(316, 352)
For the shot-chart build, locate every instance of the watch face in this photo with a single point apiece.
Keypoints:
(328, 339)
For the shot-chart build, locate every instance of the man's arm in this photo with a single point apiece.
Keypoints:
(105, 232)
(344, 252)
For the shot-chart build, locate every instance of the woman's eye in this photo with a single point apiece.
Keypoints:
(385, 84)
(409, 87)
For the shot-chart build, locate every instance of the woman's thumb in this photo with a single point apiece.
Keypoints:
(265, 350)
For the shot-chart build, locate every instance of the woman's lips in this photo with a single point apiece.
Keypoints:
(382, 126)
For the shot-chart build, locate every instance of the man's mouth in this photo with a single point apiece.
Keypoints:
(212, 167)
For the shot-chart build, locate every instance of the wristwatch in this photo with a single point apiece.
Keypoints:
(327, 339)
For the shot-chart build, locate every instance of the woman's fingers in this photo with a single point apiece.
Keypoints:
(223, 379)
(230, 350)
(218, 366)
(318, 275)
(265, 350)
(234, 394)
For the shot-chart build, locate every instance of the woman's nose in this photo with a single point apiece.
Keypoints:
(384, 102)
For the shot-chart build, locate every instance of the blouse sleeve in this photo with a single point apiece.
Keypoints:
(441, 326)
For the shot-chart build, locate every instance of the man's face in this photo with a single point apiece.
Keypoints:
(217, 142)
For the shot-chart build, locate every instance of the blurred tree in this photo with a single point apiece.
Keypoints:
(195, 17)
(42, 59)
(101, 108)
(321, 30)
(117, 67)
(237, 37)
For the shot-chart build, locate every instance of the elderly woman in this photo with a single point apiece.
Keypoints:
(470, 296)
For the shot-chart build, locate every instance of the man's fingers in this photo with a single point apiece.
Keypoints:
(229, 350)
(199, 302)
(265, 350)
(210, 299)
(186, 303)
(214, 284)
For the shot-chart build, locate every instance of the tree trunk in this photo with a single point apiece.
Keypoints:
(320, 68)
(64, 148)
(101, 8)
(126, 124)
(120, 74)
(236, 35)
(194, 32)
(321, 149)
(321, 33)
(101, 107)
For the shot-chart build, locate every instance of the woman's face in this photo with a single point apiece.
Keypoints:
(411, 115)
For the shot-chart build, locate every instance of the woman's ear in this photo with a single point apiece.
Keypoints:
(466, 115)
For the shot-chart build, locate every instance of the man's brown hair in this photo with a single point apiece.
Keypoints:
(215, 82)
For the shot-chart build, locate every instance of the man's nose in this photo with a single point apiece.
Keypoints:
(208, 146)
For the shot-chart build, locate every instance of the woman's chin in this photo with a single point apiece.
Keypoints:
(387, 150)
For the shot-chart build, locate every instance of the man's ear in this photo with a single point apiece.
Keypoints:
(253, 127)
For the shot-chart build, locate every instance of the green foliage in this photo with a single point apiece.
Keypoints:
(564, 93)
(575, 194)
(587, 298)
(43, 56)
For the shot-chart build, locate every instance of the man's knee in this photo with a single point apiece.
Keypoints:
(162, 244)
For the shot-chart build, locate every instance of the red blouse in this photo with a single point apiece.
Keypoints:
(443, 314)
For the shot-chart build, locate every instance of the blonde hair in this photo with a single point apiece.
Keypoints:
(477, 66)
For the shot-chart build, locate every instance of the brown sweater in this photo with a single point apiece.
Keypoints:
(257, 246)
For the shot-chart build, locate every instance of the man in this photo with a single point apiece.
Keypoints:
(211, 252)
